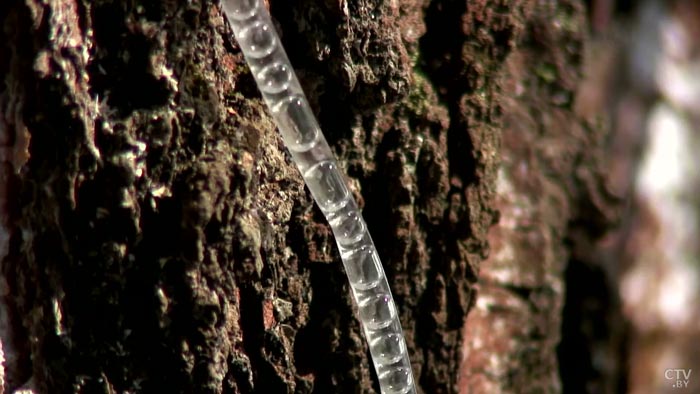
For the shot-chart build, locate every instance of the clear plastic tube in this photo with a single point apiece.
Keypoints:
(283, 95)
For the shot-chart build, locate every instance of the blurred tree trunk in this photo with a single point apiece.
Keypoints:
(157, 238)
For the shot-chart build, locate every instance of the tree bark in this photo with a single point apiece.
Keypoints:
(158, 238)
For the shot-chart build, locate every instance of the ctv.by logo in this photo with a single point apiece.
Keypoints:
(680, 377)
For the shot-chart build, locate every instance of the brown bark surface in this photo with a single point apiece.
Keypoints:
(160, 239)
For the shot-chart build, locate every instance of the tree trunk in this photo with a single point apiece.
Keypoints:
(157, 238)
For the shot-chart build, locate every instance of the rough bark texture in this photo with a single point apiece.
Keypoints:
(160, 240)
(554, 203)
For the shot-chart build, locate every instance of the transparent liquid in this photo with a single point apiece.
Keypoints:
(363, 268)
(281, 91)
(274, 78)
(260, 38)
(297, 123)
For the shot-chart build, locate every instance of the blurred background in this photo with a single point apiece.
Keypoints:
(632, 318)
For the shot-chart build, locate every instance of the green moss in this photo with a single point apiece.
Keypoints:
(419, 93)
(546, 72)
(568, 21)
